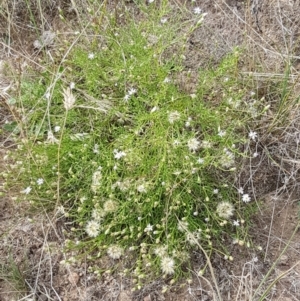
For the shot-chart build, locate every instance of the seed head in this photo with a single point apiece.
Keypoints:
(69, 99)
(225, 210)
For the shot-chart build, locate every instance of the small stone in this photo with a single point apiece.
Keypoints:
(283, 259)
(148, 298)
(124, 296)
(73, 278)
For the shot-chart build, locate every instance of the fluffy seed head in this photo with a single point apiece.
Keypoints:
(225, 210)
(98, 214)
(167, 265)
(110, 206)
(174, 116)
(92, 228)
(69, 99)
(193, 144)
(160, 251)
(115, 252)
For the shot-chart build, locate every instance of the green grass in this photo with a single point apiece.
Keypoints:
(14, 277)
(138, 165)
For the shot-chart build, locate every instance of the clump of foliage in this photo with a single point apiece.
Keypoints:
(139, 166)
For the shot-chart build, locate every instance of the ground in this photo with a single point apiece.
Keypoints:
(31, 244)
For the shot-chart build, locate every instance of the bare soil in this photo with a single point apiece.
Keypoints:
(32, 245)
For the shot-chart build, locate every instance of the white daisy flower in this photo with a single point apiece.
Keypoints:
(241, 190)
(91, 56)
(27, 190)
(132, 91)
(126, 97)
(118, 154)
(40, 181)
(56, 128)
(236, 223)
(252, 135)
(197, 10)
(163, 20)
(149, 228)
(141, 188)
(246, 198)
(176, 142)
(200, 160)
(221, 133)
